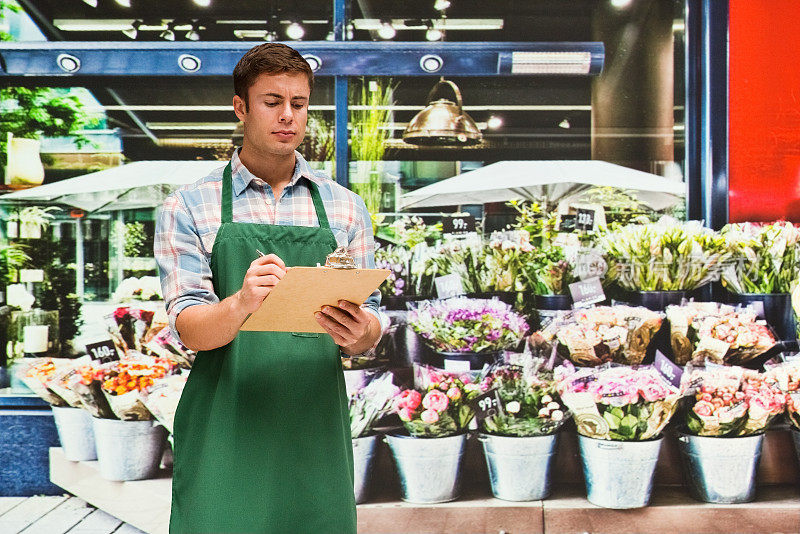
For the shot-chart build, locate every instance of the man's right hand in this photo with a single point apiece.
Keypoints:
(261, 278)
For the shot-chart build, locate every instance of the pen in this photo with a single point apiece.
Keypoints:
(260, 253)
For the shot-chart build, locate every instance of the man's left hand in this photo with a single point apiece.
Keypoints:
(354, 329)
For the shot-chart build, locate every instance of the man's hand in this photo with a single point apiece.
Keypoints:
(354, 329)
(261, 278)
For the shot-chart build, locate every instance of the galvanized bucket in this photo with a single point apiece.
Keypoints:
(519, 468)
(429, 468)
(75, 432)
(796, 438)
(363, 453)
(128, 450)
(721, 470)
(619, 474)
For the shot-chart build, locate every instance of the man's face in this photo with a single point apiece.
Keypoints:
(276, 114)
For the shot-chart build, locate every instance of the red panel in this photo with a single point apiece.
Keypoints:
(764, 110)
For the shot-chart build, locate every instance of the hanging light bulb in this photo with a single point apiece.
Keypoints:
(494, 122)
(386, 30)
(433, 34)
(295, 31)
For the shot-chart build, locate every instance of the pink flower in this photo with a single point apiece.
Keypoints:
(435, 400)
(405, 414)
(454, 393)
(429, 417)
(703, 408)
(410, 399)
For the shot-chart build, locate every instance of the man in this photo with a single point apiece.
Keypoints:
(262, 434)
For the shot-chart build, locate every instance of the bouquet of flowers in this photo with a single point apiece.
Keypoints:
(162, 397)
(440, 408)
(131, 328)
(730, 401)
(409, 232)
(39, 373)
(718, 333)
(594, 336)
(86, 383)
(663, 256)
(464, 257)
(506, 254)
(397, 260)
(61, 381)
(786, 377)
(123, 380)
(371, 402)
(529, 402)
(165, 344)
(144, 288)
(468, 325)
(766, 257)
(547, 271)
(618, 402)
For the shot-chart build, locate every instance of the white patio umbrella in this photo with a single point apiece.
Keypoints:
(140, 184)
(552, 180)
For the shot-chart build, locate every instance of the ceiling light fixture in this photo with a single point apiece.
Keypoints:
(443, 122)
(193, 35)
(386, 30)
(92, 3)
(133, 31)
(441, 5)
(494, 122)
(350, 32)
(124, 3)
(620, 4)
(295, 31)
(168, 34)
(271, 36)
(68, 63)
(330, 37)
(564, 124)
(202, 3)
(433, 34)
(189, 63)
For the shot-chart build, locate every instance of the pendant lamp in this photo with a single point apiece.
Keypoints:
(443, 122)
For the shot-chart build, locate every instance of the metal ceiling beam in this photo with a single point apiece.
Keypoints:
(361, 58)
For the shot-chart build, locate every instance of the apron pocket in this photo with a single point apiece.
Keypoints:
(306, 334)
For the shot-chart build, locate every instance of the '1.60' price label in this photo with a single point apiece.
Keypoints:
(103, 351)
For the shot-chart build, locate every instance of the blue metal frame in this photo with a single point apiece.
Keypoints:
(693, 41)
(342, 135)
(338, 58)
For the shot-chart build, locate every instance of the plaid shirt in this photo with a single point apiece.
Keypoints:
(187, 225)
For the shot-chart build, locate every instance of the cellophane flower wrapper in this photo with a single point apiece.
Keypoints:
(370, 402)
(165, 344)
(61, 382)
(38, 373)
(440, 407)
(618, 403)
(546, 271)
(505, 255)
(530, 404)
(128, 327)
(594, 336)
(786, 377)
(766, 257)
(667, 255)
(717, 333)
(86, 382)
(468, 325)
(729, 401)
(124, 379)
(162, 398)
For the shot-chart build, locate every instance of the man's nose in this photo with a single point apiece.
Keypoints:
(286, 113)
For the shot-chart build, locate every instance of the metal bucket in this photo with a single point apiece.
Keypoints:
(429, 468)
(519, 468)
(796, 439)
(128, 450)
(363, 453)
(721, 470)
(619, 474)
(75, 432)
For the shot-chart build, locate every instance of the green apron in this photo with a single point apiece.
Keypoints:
(262, 430)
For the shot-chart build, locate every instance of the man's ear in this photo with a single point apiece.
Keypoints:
(239, 107)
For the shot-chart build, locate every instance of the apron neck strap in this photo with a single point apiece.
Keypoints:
(227, 199)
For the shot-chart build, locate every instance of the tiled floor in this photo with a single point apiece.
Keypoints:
(57, 515)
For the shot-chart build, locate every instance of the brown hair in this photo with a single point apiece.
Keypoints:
(268, 58)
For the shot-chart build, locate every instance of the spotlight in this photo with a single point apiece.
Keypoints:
(564, 123)
(441, 5)
(168, 34)
(330, 37)
(494, 122)
(313, 61)
(350, 32)
(68, 63)
(133, 31)
(270, 36)
(386, 31)
(431, 63)
(620, 4)
(295, 31)
(202, 3)
(192, 35)
(124, 3)
(189, 63)
(92, 3)
(433, 34)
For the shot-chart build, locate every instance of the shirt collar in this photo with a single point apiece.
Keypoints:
(242, 177)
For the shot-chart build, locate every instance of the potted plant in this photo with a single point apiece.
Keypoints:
(766, 259)
(620, 413)
(519, 430)
(435, 416)
(662, 262)
(467, 333)
(720, 445)
(371, 401)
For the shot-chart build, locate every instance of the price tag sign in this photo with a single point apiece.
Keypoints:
(566, 223)
(462, 224)
(584, 220)
(448, 286)
(668, 369)
(488, 405)
(103, 351)
(587, 292)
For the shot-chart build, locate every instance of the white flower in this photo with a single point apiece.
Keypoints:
(544, 412)
(557, 415)
(546, 399)
(553, 406)
(513, 407)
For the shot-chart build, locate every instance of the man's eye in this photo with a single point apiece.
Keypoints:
(271, 104)
(299, 106)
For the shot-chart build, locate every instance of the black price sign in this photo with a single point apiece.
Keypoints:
(488, 405)
(668, 369)
(584, 220)
(566, 223)
(587, 292)
(462, 224)
(103, 351)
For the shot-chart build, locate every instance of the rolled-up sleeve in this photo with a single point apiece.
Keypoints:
(362, 247)
(182, 264)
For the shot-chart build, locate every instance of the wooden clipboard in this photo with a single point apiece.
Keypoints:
(291, 305)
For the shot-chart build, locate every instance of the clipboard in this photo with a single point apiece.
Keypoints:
(291, 305)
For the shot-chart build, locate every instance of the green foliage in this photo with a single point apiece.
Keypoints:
(532, 217)
(135, 239)
(319, 143)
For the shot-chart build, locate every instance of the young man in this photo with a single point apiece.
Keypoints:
(262, 433)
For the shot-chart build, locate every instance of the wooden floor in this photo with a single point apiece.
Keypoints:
(57, 515)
